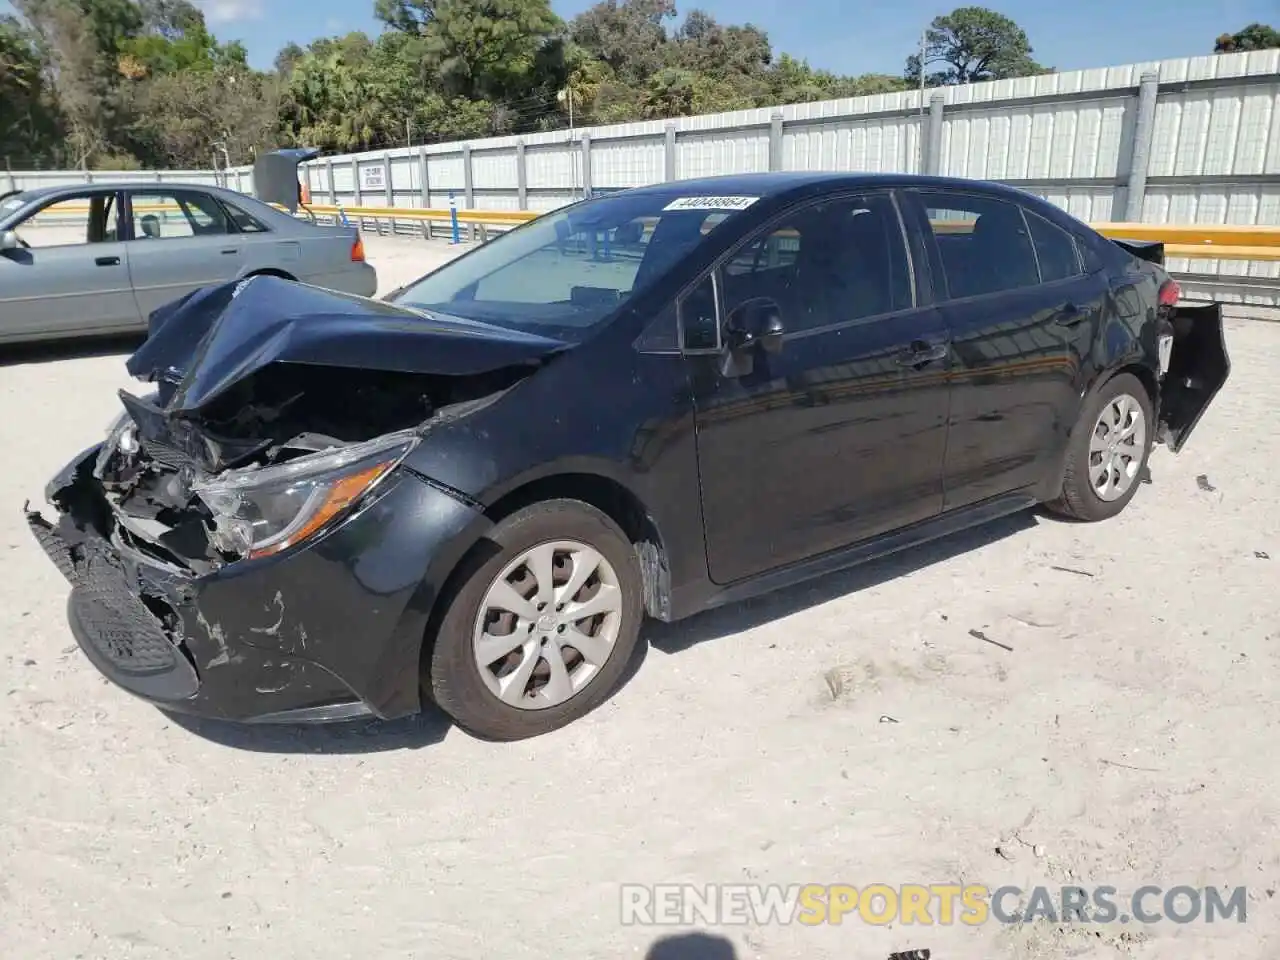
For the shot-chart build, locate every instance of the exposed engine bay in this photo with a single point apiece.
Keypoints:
(151, 467)
(251, 441)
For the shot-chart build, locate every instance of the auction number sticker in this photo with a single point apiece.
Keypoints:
(711, 203)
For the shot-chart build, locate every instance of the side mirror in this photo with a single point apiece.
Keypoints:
(751, 324)
(756, 322)
(9, 241)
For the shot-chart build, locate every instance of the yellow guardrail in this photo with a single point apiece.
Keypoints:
(1194, 241)
(487, 217)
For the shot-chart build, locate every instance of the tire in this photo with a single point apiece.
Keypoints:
(1083, 499)
(548, 529)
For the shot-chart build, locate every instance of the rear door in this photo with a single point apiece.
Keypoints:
(181, 240)
(1022, 313)
(73, 274)
(840, 434)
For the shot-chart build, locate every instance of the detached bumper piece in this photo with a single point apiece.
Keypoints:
(124, 637)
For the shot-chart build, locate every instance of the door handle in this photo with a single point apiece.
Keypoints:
(107, 261)
(922, 353)
(1069, 316)
(228, 253)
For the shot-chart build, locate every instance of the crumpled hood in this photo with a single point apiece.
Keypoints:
(217, 336)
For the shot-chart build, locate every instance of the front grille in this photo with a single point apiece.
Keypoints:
(116, 621)
(166, 455)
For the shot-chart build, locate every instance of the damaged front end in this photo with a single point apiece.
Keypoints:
(224, 519)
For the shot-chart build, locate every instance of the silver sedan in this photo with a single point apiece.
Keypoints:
(90, 260)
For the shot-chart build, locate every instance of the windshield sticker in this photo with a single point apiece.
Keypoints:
(711, 203)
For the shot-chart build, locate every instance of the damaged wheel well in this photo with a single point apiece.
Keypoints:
(621, 505)
(608, 496)
(1144, 376)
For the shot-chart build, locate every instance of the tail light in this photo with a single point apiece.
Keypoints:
(1169, 293)
(357, 250)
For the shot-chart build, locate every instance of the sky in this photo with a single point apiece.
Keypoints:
(846, 36)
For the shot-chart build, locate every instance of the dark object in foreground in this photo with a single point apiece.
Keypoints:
(979, 635)
(651, 403)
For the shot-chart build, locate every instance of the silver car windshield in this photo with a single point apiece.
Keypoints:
(563, 274)
(12, 204)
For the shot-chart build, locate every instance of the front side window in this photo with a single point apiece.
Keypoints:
(984, 244)
(164, 215)
(71, 221)
(565, 273)
(827, 263)
(699, 317)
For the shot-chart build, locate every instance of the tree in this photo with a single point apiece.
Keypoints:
(408, 16)
(705, 47)
(288, 58)
(630, 36)
(187, 115)
(79, 43)
(1255, 36)
(486, 49)
(973, 44)
(28, 119)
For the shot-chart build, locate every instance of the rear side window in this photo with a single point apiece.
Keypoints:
(244, 221)
(162, 215)
(1088, 255)
(984, 244)
(1055, 249)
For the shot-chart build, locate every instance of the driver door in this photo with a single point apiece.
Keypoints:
(70, 273)
(831, 430)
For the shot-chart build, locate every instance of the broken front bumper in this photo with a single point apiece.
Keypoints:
(328, 631)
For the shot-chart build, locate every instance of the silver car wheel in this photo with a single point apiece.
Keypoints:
(547, 624)
(1116, 448)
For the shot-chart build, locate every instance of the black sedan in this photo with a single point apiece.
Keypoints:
(648, 403)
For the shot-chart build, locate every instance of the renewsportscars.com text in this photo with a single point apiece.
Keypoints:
(925, 904)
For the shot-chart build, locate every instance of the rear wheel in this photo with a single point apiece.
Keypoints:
(1108, 453)
(541, 630)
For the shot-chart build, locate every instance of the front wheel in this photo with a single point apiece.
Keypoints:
(1108, 452)
(541, 629)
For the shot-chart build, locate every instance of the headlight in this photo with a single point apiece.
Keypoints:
(258, 512)
(123, 434)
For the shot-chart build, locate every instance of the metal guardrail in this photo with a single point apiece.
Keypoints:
(1193, 241)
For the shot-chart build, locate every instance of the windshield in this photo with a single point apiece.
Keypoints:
(563, 274)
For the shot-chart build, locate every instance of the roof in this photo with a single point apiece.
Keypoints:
(782, 182)
(106, 187)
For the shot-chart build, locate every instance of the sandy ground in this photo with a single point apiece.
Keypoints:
(1119, 728)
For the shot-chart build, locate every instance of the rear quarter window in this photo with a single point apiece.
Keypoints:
(1055, 249)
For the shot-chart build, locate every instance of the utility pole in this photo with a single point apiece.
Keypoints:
(567, 95)
(923, 34)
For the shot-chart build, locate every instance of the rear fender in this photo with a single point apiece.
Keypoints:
(1195, 365)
